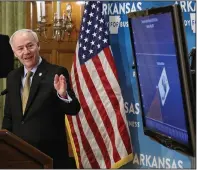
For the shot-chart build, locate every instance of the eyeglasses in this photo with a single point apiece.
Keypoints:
(28, 47)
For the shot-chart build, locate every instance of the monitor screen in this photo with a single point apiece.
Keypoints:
(159, 77)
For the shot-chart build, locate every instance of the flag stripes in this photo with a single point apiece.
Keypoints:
(100, 131)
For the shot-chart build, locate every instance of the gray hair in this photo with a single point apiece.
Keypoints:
(23, 31)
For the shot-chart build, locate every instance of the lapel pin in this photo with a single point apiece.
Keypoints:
(40, 74)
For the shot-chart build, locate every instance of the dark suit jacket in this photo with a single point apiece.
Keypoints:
(6, 56)
(43, 123)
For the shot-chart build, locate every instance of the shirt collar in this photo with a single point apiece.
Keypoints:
(33, 69)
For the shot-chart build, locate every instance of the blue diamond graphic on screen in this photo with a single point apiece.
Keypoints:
(163, 86)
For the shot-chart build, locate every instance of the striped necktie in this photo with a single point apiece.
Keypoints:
(26, 89)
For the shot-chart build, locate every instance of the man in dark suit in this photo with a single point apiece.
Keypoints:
(42, 121)
(6, 56)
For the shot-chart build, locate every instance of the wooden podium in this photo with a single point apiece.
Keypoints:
(18, 154)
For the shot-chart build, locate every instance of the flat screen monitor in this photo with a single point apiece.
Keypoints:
(163, 76)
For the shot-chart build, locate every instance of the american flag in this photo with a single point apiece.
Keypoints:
(99, 133)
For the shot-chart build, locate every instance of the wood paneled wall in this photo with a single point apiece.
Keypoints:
(60, 53)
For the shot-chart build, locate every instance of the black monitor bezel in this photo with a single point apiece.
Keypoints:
(184, 75)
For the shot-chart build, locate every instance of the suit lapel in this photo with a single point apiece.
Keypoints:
(38, 76)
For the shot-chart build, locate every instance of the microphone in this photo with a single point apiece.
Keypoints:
(4, 92)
